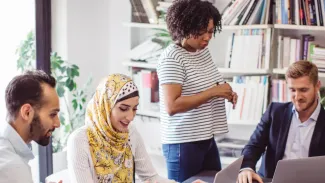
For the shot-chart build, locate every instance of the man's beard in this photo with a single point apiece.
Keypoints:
(309, 105)
(37, 132)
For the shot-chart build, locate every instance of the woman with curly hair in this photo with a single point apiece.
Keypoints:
(192, 91)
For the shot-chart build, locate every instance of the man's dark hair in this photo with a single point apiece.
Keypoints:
(187, 18)
(26, 88)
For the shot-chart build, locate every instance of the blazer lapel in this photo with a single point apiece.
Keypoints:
(319, 128)
(283, 133)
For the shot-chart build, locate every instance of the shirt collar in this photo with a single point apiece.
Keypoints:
(20, 147)
(314, 115)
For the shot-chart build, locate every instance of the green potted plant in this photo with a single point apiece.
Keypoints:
(72, 98)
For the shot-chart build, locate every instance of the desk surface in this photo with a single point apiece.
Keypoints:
(208, 176)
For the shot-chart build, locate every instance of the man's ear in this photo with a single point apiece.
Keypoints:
(319, 84)
(27, 112)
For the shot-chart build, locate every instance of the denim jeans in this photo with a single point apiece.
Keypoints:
(188, 159)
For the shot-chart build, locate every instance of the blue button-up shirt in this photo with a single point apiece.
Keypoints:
(300, 134)
(14, 157)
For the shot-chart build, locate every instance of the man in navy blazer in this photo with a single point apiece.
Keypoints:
(288, 130)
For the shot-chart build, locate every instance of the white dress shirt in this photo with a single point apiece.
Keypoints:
(300, 134)
(14, 157)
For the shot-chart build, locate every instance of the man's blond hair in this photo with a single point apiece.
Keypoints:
(303, 68)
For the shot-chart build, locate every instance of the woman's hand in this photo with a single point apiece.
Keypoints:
(234, 99)
(223, 91)
(199, 181)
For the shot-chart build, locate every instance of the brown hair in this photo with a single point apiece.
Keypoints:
(26, 88)
(303, 68)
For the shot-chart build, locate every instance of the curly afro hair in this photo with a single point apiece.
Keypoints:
(187, 18)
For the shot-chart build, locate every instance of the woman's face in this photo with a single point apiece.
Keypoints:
(123, 113)
(202, 41)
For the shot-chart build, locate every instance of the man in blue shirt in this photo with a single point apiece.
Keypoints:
(288, 130)
(32, 105)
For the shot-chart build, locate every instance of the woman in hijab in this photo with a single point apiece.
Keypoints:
(108, 148)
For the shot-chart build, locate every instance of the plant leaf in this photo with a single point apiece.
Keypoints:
(74, 104)
(62, 119)
(67, 128)
(60, 90)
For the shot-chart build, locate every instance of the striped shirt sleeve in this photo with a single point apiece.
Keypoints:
(170, 71)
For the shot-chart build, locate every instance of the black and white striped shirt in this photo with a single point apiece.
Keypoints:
(196, 72)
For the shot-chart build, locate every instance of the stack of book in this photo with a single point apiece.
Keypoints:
(248, 12)
(300, 12)
(252, 99)
(280, 91)
(291, 50)
(144, 11)
(250, 47)
(148, 85)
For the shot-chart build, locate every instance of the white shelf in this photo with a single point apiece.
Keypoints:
(222, 70)
(279, 71)
(140, 64)
(239, 27)
(243, 122)
(145, 25)
(235, 27)
(148, 113)
(224, 27)
(243, 71)
(283, 71)
(299, 27)
(227, 160)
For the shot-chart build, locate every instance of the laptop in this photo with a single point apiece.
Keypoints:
(302, 170)
(230, 173)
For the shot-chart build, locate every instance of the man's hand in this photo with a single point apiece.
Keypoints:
(247, 176)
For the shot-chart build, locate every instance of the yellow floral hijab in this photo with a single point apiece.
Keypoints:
(110, 150)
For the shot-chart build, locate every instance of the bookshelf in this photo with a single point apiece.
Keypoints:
(145, 25)
(279, 71)
(244, 122)
(140, 64)
(224, 27)
(149, 113)
(282, 72)
(222, 70)
(271, 64)
(299, 27)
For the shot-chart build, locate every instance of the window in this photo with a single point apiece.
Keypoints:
(17, 19)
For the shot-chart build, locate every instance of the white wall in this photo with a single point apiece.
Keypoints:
(80, 34)
(119, 35)
(16, 23)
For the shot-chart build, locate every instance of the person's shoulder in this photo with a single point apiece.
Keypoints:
(9, 159)
(172, 52)
(134, 136)
(7, 152)
(15, 166)
(133, 132)
(79, 136)
(280, 106)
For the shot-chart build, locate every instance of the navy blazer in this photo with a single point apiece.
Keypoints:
(270, 137)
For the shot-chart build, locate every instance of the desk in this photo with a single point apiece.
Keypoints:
(208, 176)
